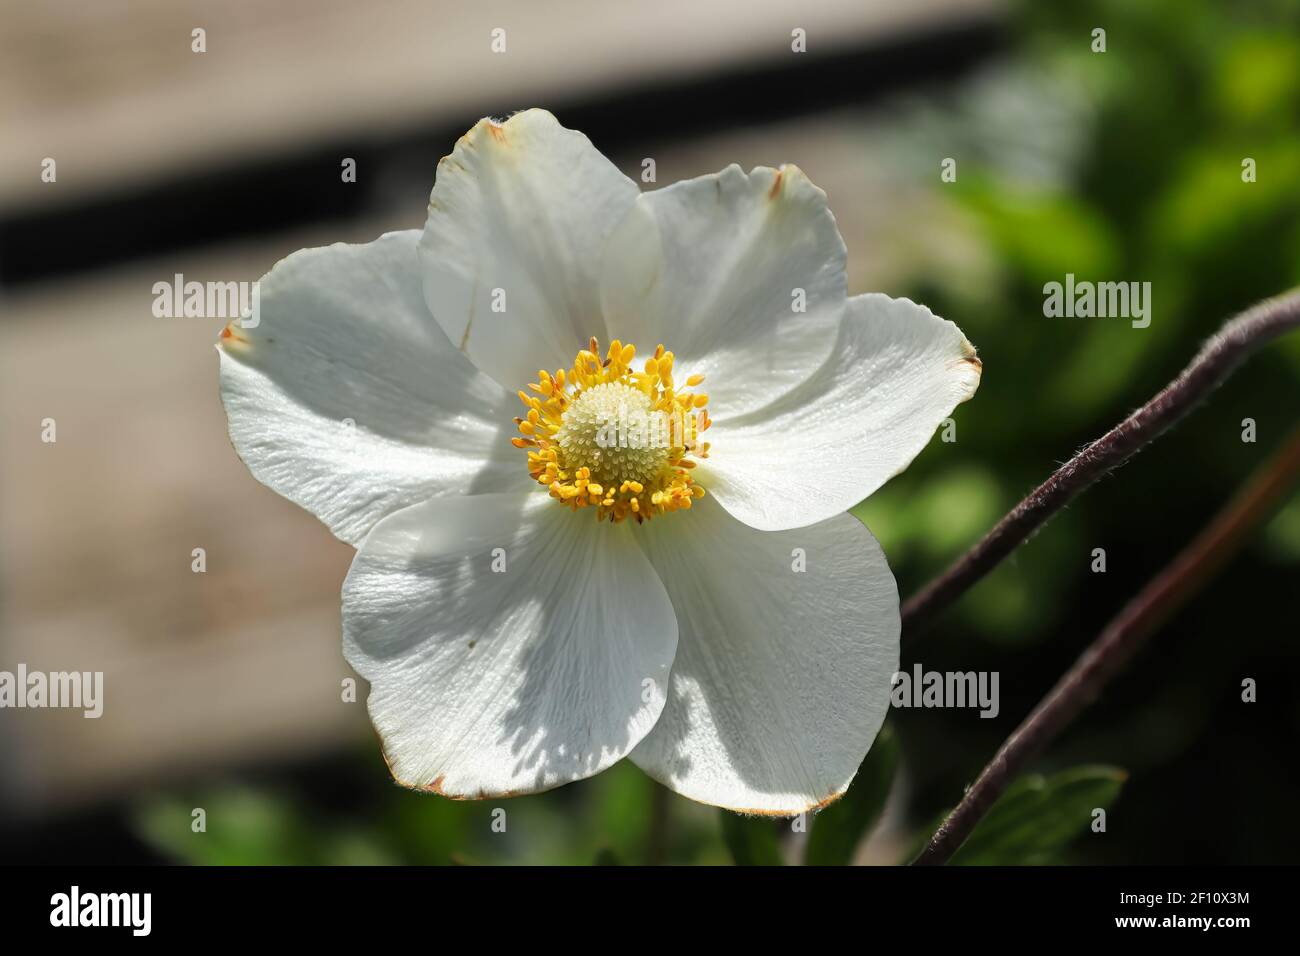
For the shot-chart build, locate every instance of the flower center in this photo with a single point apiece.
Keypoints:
(602, 435)
(613, 431)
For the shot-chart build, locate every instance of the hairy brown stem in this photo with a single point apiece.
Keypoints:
(1216, 360)
(1168, 591)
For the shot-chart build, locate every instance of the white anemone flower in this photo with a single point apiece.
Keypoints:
(532, 601)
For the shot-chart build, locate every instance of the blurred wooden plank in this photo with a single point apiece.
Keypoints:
(112, 91)
(239, 663)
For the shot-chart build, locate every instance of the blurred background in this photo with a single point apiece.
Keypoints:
(223, 688)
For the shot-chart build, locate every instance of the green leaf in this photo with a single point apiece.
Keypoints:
(1038, 816)
(837, 830)
(606, 857)
(751, 840)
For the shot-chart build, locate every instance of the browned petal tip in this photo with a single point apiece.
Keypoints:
(969, 356)
(776, 184)
(228, 334)
(436, 786)
(788, 814)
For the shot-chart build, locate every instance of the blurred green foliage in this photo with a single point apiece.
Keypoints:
(602, 820)
(751, 841)
(1152, 191)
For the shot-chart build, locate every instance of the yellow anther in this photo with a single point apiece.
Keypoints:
(605, 436)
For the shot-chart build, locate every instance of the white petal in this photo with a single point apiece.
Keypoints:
(348, 399)
(712, 268)
(782, 677)
(896, 373)
(488, 683)
(517, 219)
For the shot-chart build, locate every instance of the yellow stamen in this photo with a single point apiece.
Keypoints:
(605, 436)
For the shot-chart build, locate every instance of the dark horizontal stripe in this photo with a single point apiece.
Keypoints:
(232, 200)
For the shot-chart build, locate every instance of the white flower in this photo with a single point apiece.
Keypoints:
(522, 624)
